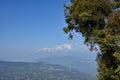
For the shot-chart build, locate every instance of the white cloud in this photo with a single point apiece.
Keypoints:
(75, 47)
(57, 48)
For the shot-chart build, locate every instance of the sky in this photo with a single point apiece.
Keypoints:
(31, 29)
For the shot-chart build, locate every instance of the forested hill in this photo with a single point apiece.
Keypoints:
(39, 71)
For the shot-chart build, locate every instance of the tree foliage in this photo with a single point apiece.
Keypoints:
(99, 23)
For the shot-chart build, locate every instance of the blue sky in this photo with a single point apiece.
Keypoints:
(32, 27)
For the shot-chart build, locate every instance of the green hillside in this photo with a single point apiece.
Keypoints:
(39, 71)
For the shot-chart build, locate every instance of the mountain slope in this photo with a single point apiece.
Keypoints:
(39, 71)
(75, 62)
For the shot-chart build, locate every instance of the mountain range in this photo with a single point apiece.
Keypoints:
(84, 65)
(39, 71)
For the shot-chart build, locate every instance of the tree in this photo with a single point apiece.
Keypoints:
(99, 23)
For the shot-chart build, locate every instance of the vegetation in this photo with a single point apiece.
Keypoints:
(99, 23)
(39, 71)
